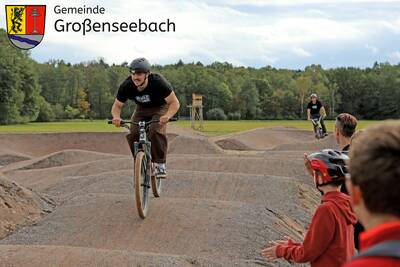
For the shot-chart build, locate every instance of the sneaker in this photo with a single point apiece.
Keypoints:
(160, 170)
(325, 134)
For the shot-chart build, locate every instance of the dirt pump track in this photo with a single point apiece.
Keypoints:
(66, 199)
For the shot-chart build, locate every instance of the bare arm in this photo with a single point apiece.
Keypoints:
(308, 114)
(323, 112)
(116, 112)
(173, 108)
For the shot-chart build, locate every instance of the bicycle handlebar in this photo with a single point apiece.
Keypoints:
(137, 123)
(319, 119)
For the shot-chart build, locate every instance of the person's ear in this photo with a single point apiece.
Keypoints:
(336, 131)
(354, 192)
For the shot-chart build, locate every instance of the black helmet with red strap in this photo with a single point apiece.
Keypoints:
(328, 166)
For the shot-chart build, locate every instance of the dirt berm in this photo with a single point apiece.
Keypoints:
(67, 199)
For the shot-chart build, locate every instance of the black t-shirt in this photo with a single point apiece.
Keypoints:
(315, 108)
(346, 149)
(152, 96)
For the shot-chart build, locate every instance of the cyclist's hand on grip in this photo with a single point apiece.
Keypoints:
(117, 122)
(164, 119)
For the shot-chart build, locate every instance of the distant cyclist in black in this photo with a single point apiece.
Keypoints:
(315, 110)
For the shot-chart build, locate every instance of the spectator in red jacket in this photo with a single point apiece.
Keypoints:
(345, 132)
(329, 240)
(374, 188)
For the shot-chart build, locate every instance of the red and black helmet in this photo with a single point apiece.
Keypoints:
(328, 166)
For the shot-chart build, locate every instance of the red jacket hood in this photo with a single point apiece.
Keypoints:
(342, 201)
(380, 233)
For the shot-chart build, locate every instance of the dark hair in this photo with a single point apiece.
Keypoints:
(337, 183)
(375, 168)
(346, 124)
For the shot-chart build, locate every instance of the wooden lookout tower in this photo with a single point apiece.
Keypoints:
(196, 112)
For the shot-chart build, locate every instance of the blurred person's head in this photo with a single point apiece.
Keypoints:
(345, 126)
(374, 183)
(355, 137)
(314, 98)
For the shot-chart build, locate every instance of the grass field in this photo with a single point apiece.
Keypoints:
(212, 128)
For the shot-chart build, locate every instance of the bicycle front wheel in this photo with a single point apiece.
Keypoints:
(142, 184)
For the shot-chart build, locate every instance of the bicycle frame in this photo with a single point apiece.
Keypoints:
(143, 144)
(317, 127)
(317, 122)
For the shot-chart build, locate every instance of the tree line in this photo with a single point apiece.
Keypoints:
(57, 90)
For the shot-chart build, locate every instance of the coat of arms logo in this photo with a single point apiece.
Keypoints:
(26, 25)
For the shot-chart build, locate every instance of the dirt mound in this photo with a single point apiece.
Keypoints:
(67, 157)
(328, 142)
(40, 144)
(263, 138)
(217, 208)
(187, 141)
(77, 256)
(19, 206)
(45, 143)
(187, 227)
(193, 145)
(277, 163)
(8, 157)
(232, 144)
(176, 130)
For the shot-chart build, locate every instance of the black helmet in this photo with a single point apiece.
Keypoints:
(139, 65)
(329, 165)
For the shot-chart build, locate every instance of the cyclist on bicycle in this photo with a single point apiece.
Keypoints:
(315, 110)
(155, 99)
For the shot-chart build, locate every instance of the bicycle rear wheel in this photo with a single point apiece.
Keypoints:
(142, 184)
(155, 184)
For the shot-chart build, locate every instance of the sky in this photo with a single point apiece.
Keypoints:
(281, 33)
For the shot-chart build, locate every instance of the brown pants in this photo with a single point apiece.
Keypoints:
(157, 133)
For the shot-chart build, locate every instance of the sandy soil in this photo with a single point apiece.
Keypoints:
(263, 138)
(67, 199)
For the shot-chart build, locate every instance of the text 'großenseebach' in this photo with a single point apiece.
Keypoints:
(87, 25)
